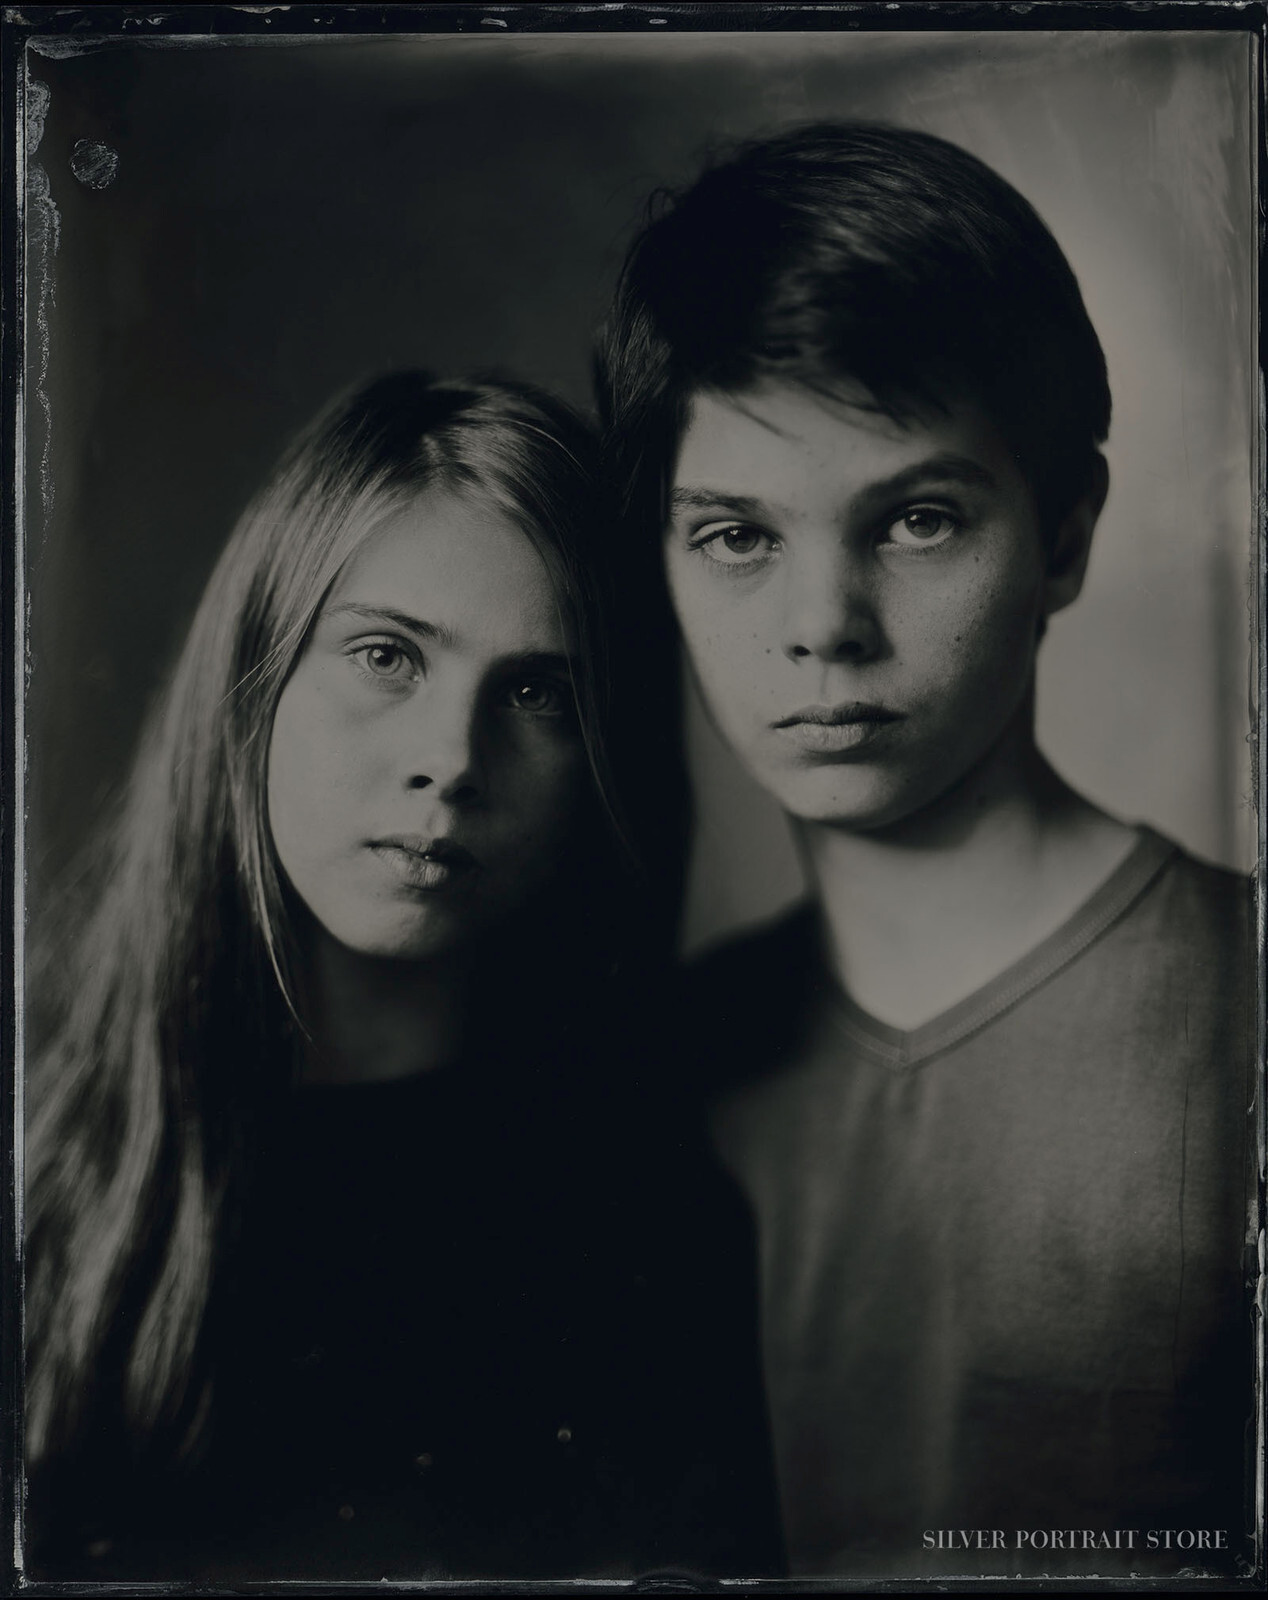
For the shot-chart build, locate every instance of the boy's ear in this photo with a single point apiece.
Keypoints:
(1068, 557)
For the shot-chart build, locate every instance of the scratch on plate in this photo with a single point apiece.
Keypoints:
(43, 224)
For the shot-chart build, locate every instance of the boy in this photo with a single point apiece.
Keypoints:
(987, 1095)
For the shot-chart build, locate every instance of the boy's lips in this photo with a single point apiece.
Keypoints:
(833, 730)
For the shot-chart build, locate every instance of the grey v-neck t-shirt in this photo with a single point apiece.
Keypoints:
(1001, 1255)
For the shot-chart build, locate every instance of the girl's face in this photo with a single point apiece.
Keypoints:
(426, 759)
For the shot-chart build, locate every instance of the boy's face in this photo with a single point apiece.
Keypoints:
(861, 600)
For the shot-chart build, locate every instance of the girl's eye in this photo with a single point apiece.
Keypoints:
(922, 527)
(392, 662)
(539, 697)
(735, 545)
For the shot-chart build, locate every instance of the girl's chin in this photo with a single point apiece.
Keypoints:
(426, 939)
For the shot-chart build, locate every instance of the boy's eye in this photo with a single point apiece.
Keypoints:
(734, 544)
(389, 661)
(922, 526)
(539, 697)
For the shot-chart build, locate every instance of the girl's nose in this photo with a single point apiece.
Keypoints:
(445, 753)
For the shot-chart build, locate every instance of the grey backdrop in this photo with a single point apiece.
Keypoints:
(288, 217)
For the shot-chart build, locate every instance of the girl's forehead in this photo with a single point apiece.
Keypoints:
(458, 561)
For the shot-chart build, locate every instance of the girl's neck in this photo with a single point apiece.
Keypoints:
(376, 1021)
(920, 915)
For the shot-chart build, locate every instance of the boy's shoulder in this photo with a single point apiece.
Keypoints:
(1191, 949)
(782, 956)
(1189, 927)
(740, 1002)
(1195, 903)
(1201, 875)
(742, 969)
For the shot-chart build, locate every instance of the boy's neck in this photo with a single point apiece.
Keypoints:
(920, 915)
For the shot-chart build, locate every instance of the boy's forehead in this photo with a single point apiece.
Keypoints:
(777, 439)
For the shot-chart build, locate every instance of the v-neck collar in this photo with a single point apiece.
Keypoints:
(899, 1048)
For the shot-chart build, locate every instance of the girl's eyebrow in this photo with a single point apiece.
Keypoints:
(527, 661)
(540, 661)
(398, 619)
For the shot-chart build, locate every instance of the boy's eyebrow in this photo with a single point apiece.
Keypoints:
(944, 468)
(398, 619)
(740, 505)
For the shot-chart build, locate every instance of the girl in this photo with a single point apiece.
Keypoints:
(333, 1234)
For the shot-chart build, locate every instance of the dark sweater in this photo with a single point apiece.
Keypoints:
(488, 1322)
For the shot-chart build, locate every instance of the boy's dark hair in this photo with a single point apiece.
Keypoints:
(854, 251)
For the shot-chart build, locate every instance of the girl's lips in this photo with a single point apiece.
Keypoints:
(425, 864)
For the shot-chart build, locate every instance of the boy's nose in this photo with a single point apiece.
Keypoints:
(445, 752)
(828, 613)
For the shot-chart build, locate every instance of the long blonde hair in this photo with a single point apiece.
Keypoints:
(172, 1014)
